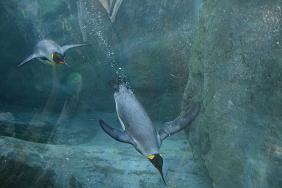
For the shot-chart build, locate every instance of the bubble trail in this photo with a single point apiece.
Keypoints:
(99, 30)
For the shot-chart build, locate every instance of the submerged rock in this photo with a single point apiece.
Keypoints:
(28, 165)
(98, 162)
(235, 70)
(9, 127)
(23, 130)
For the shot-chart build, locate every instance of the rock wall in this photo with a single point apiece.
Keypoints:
(235, 70)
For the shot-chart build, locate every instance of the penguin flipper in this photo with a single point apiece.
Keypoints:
(115, 9)
(31, 57)
(67, 47)
(180, 122)
(116, 134)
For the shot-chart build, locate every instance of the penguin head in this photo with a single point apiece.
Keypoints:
(58, 58)
(157, 161)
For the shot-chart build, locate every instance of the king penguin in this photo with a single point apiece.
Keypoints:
(138, 129)
(50, 52)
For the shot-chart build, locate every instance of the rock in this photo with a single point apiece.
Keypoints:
(23, 130)
(99, 162)
(9, 127)
(15, 173)
(27, 164)
(235, 70)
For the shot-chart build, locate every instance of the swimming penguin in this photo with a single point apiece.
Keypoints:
(50, 52)
(112, 7)
(138, 129)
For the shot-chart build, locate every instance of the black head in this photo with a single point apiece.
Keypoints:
(58, 58)
(157, 161)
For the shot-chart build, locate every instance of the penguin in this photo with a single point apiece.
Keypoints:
(112, 7)
(50, 52)
(138, 129)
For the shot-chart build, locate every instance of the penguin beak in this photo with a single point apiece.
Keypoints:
(157, 161)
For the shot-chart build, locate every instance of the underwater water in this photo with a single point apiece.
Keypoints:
(196, 84)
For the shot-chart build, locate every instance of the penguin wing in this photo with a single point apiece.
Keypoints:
(115, 9)
(31, 57)
(67, 47)
(116, 134)
(180, 122)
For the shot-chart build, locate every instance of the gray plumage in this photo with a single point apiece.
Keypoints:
(44, 50)
(138, 128)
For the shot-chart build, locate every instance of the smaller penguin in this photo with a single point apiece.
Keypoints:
(50, 52)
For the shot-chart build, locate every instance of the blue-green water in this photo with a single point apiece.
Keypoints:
(224, 55)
